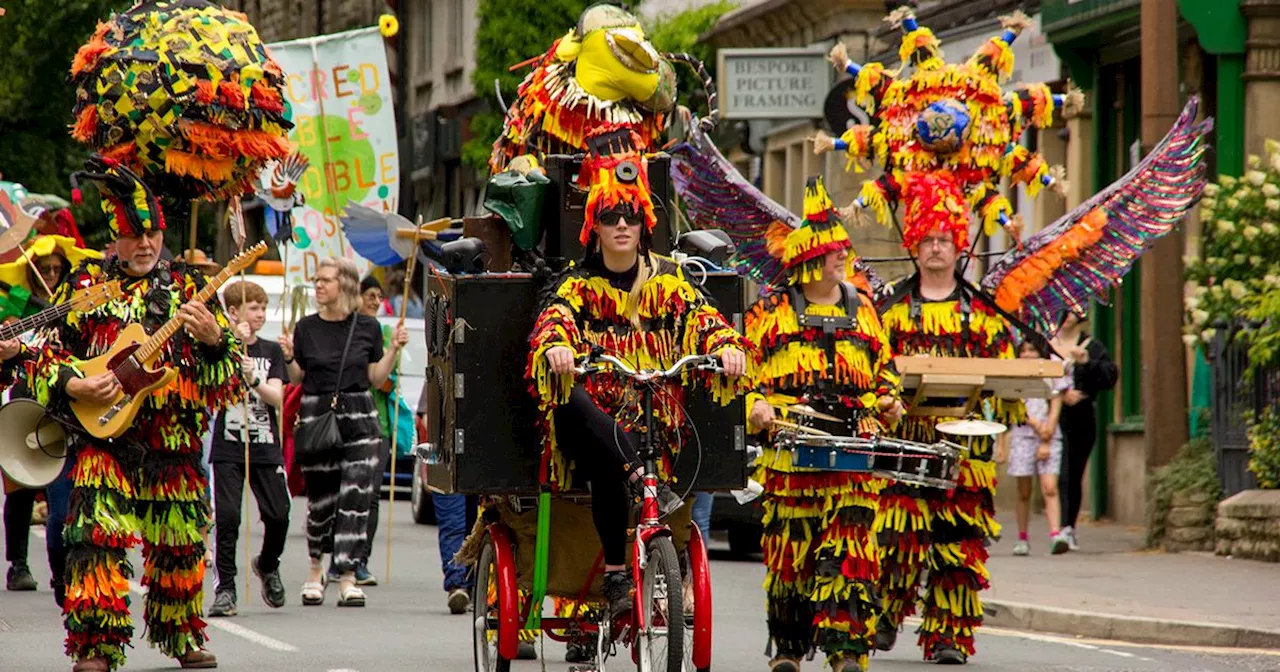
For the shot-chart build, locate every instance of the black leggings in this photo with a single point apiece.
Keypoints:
(1077, 445)
(606, 456)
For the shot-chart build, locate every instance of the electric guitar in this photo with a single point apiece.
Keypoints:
(132, 359)
(82, 301)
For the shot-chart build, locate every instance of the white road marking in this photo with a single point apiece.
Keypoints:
(1123, 654)
(1099, 643)
(233, 629)
(38, 530)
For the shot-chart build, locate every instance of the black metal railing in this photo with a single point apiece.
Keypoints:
(1235, 395)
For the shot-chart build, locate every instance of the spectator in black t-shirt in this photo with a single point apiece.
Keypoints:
(264, 371)
(340, 483)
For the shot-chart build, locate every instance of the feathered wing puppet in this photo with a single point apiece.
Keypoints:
(1082, 255)
(716, 196)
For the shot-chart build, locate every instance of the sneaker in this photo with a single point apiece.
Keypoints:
(459, 601)
(19, 578)
(272, 586)
(1059, 544)
(363, 577)
(617, 588)
(526, 651)
(668, 501)
(1070, 533)
(333, 575)
(583, 651)
(1022, 547)
(224, 604)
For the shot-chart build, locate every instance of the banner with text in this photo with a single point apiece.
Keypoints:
(340, 89)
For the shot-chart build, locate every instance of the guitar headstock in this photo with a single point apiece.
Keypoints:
(242, 260)
(84, 300)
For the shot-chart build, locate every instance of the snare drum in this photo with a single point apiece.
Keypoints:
(829, 453)
(933, 465)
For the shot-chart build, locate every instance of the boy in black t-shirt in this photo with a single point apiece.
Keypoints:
(264, 371)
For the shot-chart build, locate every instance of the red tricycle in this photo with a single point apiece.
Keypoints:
(663, 634)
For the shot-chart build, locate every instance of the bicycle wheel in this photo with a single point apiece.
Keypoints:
(661, 642)
(484, 612)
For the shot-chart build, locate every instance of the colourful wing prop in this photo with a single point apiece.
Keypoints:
(1082, 255)
(716, 196)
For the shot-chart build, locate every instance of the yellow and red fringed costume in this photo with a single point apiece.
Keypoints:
(942, 531)
(149, 481)
(582, 309)
(821, 557)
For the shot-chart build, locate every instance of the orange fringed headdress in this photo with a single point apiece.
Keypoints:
(933, 201)
(802, 249)
(613, 181)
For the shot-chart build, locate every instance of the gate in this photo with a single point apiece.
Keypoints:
(1233, 396)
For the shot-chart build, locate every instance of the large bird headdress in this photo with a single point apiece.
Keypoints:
(945, 137)
(602, 77)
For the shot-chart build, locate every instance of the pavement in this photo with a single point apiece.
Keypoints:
(1113, 588)
(406, 625)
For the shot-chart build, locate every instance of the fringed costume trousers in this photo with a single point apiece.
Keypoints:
(341, 482)
(821, 558)
(944, 532)
(117, 492)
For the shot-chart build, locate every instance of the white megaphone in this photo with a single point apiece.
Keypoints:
(33, 446)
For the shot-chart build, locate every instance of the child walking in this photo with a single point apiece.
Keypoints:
(1036, 451)
(264, 371)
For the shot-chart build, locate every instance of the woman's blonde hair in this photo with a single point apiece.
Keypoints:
(644, 270)
(348, 283)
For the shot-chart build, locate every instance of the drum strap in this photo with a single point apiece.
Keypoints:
(828, 324)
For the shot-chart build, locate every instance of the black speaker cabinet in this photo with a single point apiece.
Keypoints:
(482, 418)
(563, 209)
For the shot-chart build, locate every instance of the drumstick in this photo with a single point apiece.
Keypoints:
(783, 424)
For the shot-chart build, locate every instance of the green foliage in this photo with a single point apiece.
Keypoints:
(678, 33)
(1194, 469)
(510, 32)
(38, 40)
(1264, 449)
(1236, 278)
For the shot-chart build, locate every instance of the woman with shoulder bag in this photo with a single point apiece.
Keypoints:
(337, 356)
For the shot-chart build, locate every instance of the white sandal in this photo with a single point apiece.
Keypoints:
(351, 596)
(312, 593)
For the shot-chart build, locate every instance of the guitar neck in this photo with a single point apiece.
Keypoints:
(40, 319)
(152, 347)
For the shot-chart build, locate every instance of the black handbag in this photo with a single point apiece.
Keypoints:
(321, 435)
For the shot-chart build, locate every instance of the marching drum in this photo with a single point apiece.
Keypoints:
(933, 465)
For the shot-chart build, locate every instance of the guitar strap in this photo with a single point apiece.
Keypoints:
(159, 299)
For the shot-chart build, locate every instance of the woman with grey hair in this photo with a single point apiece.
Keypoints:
(339, 482)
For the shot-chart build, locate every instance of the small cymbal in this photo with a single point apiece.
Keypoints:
(808, 412)
(971, 428)
(783, 424)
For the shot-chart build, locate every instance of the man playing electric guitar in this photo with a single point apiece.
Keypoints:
(149, 479)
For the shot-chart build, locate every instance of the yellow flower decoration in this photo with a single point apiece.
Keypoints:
(388, 25)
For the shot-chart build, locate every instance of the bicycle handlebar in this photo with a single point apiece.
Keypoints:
(701, 362)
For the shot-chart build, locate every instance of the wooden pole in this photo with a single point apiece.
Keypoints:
(1164, 388)
(410, 267)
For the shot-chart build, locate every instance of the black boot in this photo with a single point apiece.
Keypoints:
(886, 635)
(946, 655)
(19, 578)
